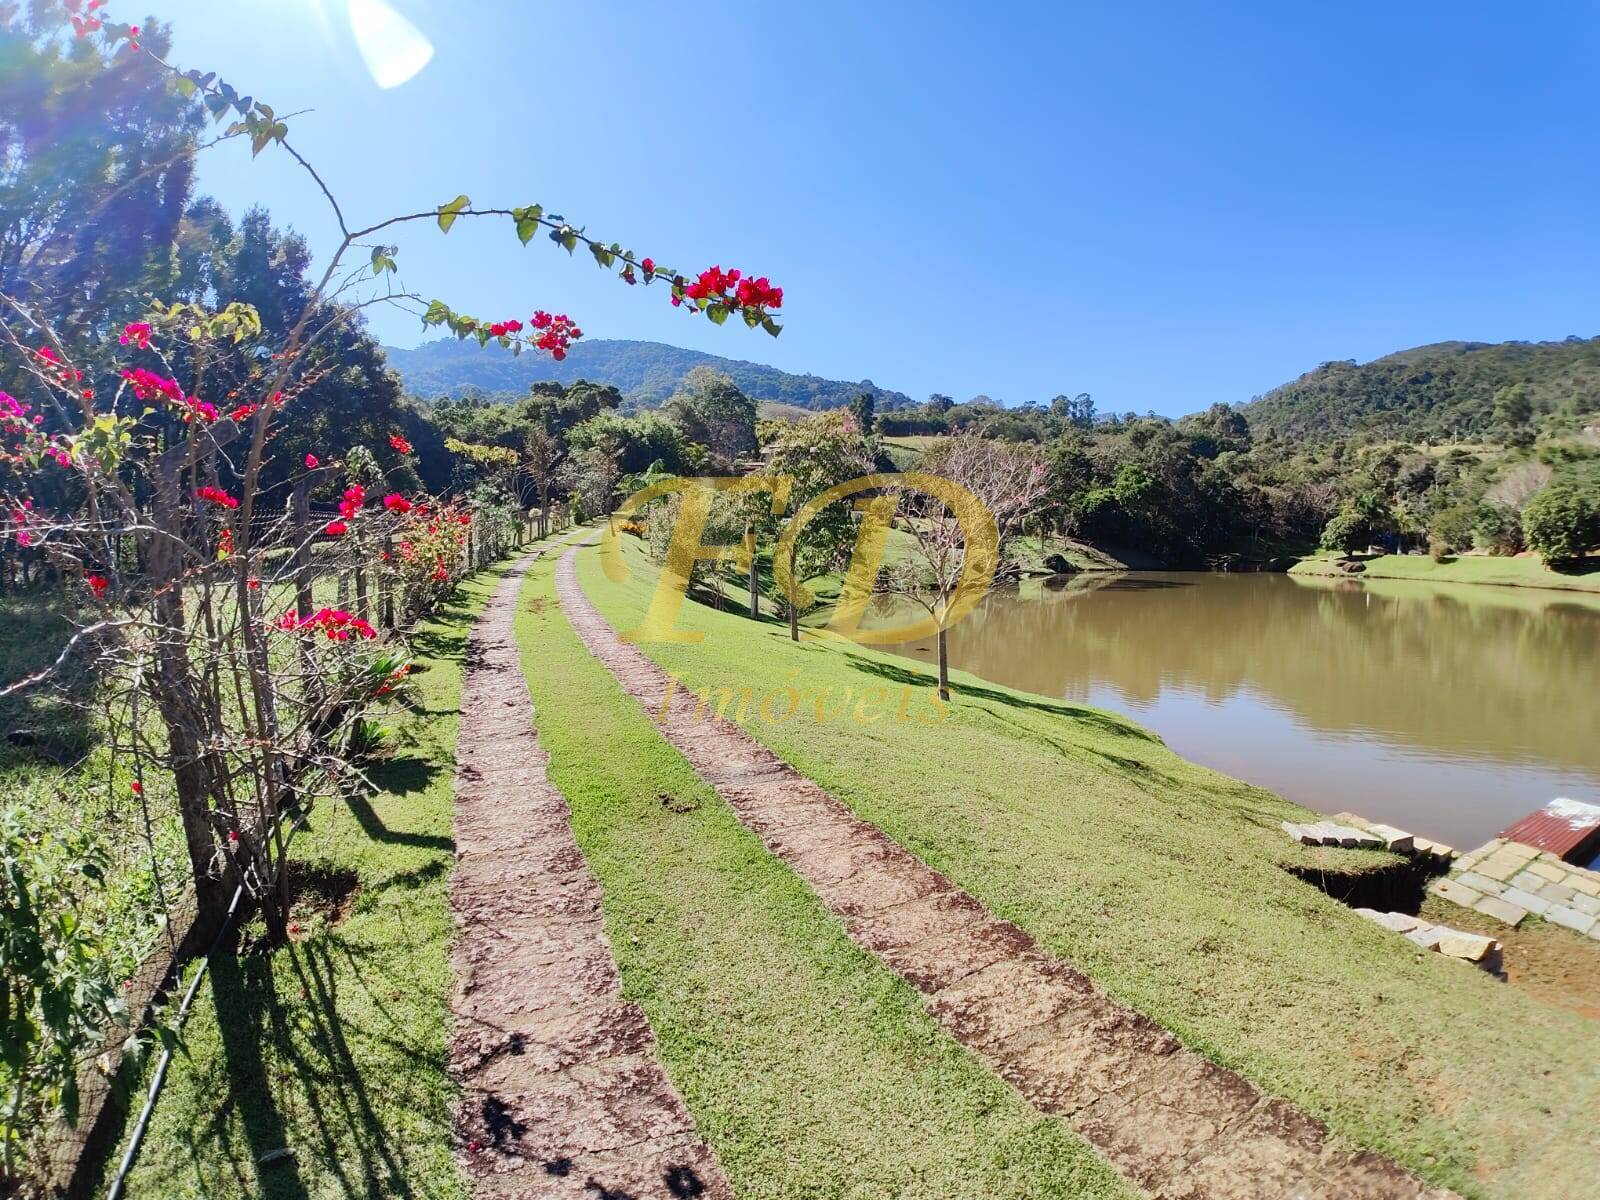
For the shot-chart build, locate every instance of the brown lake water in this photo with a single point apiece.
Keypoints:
(1451, 711)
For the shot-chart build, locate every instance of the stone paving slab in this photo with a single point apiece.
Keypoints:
(1164, 1116)
(1508, 880)
(562, 1095)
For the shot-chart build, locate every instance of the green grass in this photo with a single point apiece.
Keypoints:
(333, 1046)
(810, 1068)
(1163, 880)
(1521, 571)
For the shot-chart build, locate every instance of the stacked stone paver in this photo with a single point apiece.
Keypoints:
(1508, 880)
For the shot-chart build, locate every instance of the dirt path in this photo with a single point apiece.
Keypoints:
(1164, 1116)
(561, 1091)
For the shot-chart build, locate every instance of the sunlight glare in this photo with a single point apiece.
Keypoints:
(392, 47)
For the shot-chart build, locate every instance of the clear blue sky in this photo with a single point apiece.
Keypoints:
(1165, 205)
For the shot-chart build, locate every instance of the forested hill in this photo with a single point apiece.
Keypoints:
(645, 372)
(1437, 393)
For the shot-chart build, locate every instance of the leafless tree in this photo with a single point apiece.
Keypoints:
(1009, 484)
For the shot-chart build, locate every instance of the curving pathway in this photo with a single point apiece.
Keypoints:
(1164, 1116)
(562, 1095)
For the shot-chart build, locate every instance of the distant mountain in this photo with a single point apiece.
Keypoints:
(1442, 392)
(646, 373)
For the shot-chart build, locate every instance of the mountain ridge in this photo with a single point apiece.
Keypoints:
(645, 372)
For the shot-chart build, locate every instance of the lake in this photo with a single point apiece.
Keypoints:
(1448, 710)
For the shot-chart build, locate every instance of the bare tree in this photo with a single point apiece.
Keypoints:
(954, 549)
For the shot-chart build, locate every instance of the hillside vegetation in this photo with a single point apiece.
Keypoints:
(1442, 392)
(646, 373)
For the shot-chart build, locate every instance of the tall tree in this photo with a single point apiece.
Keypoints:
(711, 410)
(96, 165)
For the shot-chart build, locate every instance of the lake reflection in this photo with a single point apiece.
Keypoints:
(1448, 710)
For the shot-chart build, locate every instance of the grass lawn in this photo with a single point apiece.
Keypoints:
(333, 1046)
(1522, 571)
(811, 1069)
(1164, 881)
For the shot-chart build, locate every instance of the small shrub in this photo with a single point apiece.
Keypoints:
(1498, 529)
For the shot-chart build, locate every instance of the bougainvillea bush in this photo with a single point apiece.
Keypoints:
(139, 466)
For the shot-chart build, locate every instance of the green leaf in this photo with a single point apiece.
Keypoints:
(184, 86)
(449, 212)
(718, 313)
(771, 326)
(527, 220)
(602, 256)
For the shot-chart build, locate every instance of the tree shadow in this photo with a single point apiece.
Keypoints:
(248, 1017)
(1104, 722)
(372, 825)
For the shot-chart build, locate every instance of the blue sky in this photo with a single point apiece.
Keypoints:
(1165, 205)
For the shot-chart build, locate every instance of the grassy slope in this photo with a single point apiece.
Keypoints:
(1522, 571)
(334, 1045)
(809, 1067)
(1161, 879)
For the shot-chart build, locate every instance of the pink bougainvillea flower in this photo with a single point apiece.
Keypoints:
(136, 332)
(396, 503)
(311, 462)
(216, 496)
(336, 529)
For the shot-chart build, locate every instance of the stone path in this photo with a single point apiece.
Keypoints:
(562, 1095)
(1165, 1117)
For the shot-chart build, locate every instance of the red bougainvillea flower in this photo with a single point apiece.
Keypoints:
(311, 462)
(396, 503)
(216, 496)
(244, 412)
(354, 497)
(97, 584)
(399, 443)
(464, 519)
(732, 290)
(335, 623)
(336, 529)
(254, 585)
(136, 332)
(649, 266)
(554, 333)
(136, 788)
(233, 837)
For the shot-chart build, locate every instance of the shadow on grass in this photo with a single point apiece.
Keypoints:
(372, 825)
(1103, 722)
(344, 1129)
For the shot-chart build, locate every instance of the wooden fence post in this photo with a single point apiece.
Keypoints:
(386, 584)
